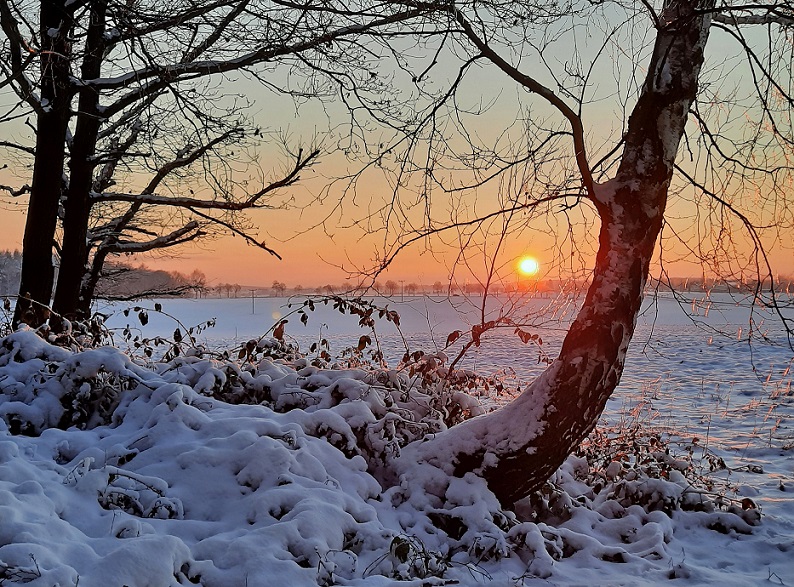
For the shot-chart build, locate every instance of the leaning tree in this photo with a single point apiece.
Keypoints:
(137, 143)
(683, 136)
(676, 134)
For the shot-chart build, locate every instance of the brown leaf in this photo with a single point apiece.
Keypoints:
(453, 336)
(363, 342)
(748, 504)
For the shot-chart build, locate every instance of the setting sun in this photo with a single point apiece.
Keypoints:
(528, 266)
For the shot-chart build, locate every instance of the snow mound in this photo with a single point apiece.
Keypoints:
(215, 473)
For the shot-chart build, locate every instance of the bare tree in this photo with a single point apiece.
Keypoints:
(622, 181)
(119, 89)
(666, 144)
(10, 265)
(123, 283)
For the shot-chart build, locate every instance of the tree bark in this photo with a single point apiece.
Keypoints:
(516, 449)
(35, 289)
(77, 207)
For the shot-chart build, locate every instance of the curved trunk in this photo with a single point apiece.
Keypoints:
(518, 447)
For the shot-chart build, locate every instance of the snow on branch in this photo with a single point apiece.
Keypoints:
(178, 236)
(780, 14)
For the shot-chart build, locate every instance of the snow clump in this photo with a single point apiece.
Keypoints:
(218, 473)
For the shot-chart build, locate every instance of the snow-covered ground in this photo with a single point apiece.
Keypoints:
(169, 476)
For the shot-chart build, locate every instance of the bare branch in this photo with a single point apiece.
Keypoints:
(18, 147)
(177, 291)
(181, 235)
(246, 237)
(16, 192)
(213, 37)
(18, 47)
(252, 201)
(423, 234)
(156, 78)
(577, 129)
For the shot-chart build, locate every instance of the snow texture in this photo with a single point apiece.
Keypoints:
(208, 472)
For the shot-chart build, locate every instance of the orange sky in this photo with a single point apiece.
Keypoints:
(315, 258)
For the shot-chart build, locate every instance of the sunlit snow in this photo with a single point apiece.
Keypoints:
(168, 478)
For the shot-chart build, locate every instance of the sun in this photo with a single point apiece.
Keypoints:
(528, 266)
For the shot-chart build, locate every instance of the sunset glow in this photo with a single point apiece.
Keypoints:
(528, 266)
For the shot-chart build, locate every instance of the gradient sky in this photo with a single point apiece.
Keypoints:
(329, 255)
(314, 258)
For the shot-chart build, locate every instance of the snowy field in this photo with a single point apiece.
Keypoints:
(170, 477)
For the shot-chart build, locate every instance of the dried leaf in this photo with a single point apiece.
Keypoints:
(278, 333)
(453, 336)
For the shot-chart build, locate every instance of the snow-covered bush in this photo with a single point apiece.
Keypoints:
(220, 472)
(45, 386)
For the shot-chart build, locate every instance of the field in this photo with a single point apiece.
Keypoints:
(690, 477)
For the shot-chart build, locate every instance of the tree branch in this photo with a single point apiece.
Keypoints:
(531, 84)
(196, 203)
(176, 291)
(27, 150)
(781, 14)
(248, 238)
(17, 47)
(178, 236)
(16, 192)
(156, 78)
(216, 34)
(423, 234)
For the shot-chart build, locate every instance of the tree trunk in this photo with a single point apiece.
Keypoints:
(518, 447)
(90, 281)
(77, 208)
(35, 289)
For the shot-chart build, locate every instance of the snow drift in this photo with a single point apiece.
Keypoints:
(221, 473)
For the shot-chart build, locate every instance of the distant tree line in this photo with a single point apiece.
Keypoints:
(403, 288)
(10, 271)
(118, 281)
(125, 282)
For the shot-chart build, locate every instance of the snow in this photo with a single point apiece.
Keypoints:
(221, 473)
